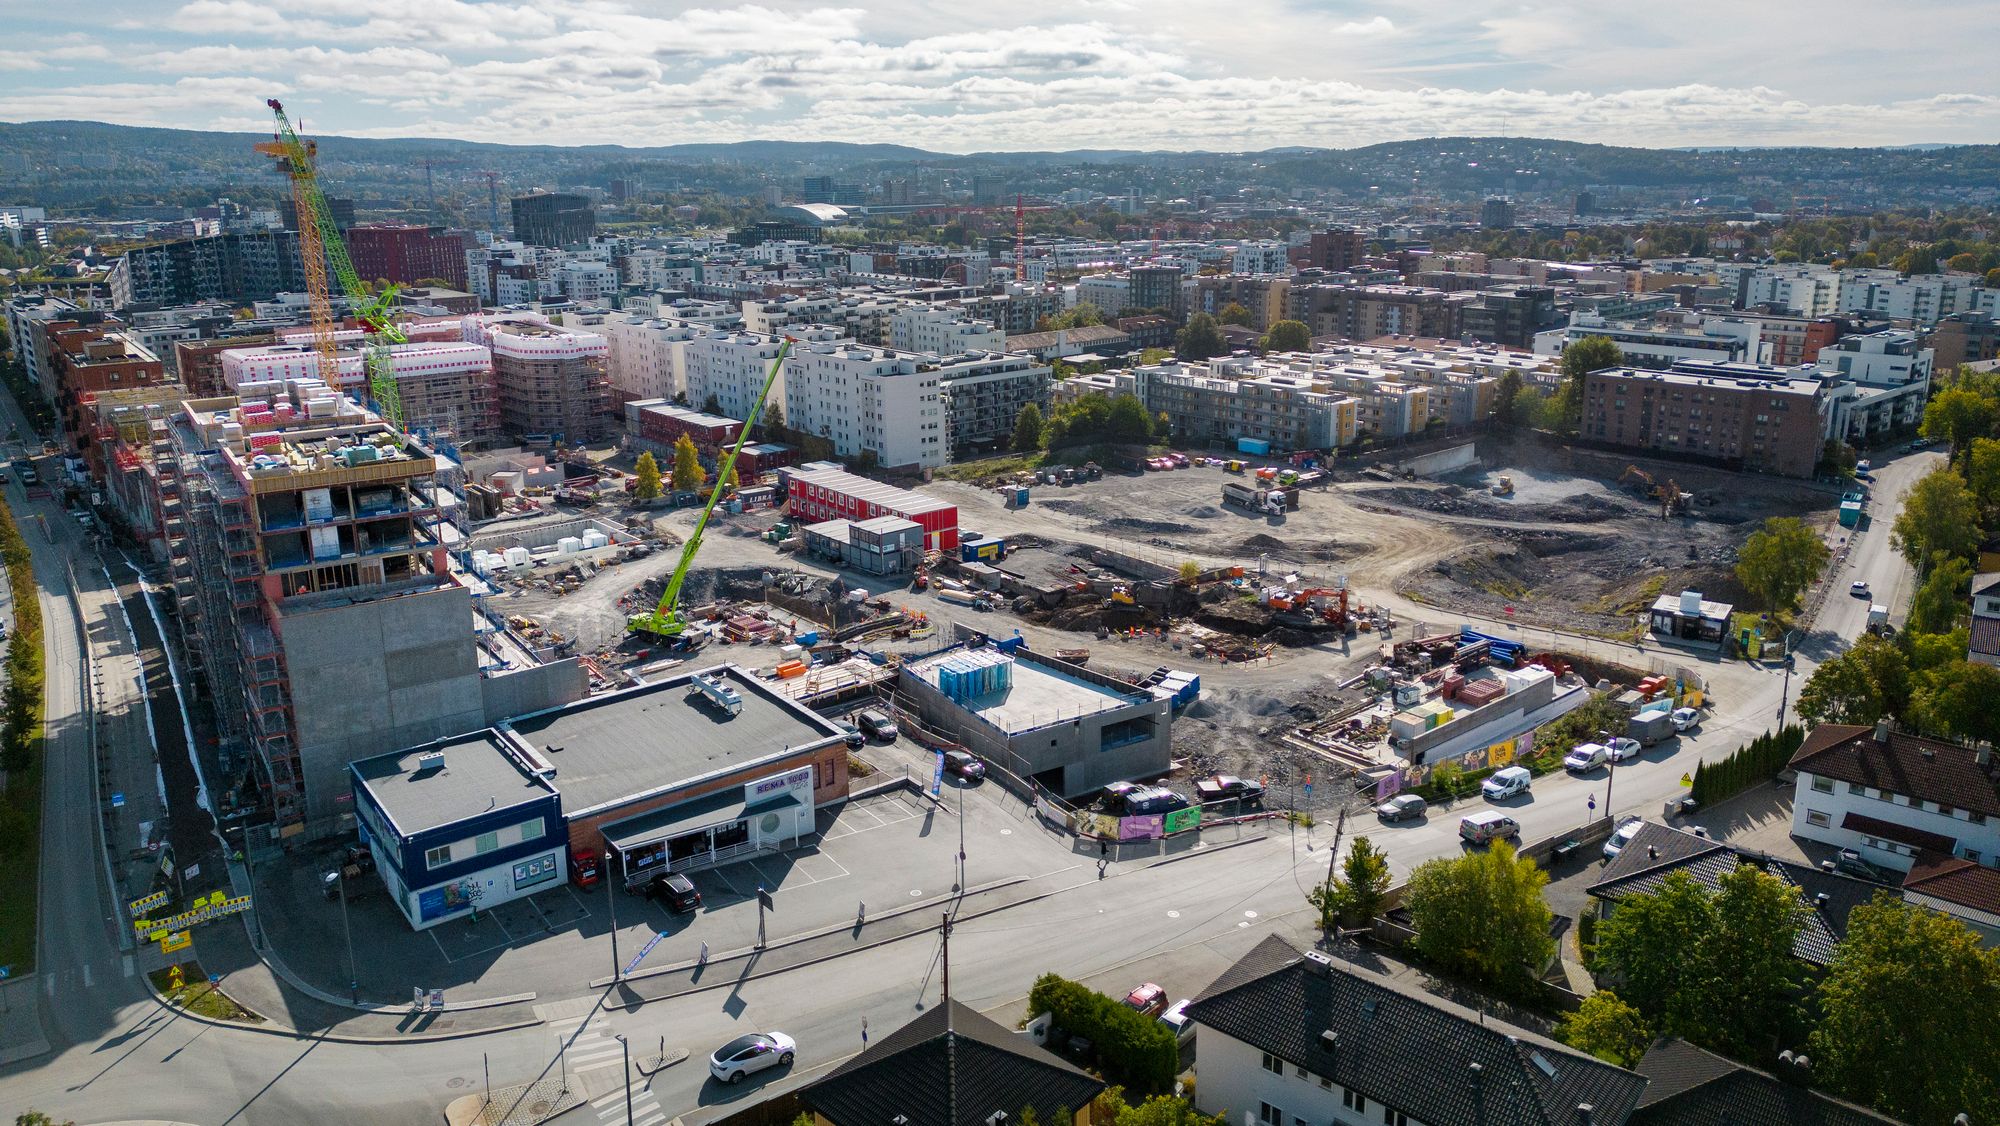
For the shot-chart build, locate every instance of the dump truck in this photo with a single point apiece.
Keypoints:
(1260, 499)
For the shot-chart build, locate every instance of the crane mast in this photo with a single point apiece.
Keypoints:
(665, 620)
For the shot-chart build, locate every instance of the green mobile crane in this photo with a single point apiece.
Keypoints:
(665, 621)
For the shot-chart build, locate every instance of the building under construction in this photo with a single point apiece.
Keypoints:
(309, 542)
(553, 384)
(446, 387)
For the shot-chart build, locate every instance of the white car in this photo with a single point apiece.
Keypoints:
(1859, 588)
(1863, 466)
(1685, 718)
(1622, 837)
(753, 1053)
(1586, 756)
(1506, 782)
(1622, 748)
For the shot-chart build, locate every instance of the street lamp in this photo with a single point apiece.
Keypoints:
(625, 1047)
(612, 895)
(353, 975)
(961, 840)
(1610, 771)
(1785, 695)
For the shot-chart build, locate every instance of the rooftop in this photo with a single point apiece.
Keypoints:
(480, 775)
(1038, 696)
(656, 737)
(1901, 763)
(1685, 1084)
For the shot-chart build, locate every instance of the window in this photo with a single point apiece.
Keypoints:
(1857, 789)
(1822, 783)
(1394, 1118)
(1299, 1071)
(1273, 1064)
(1270, 1115)
(1972, 854)
(1353, 1099)
(438, 857)
(1975, 818)
(1815, 817)
(485, 843)
(1325, 1084)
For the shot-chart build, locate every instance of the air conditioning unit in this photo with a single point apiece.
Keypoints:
(430, 760)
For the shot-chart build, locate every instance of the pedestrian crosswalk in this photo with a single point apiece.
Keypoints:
(645, 1108)
(590, 1047)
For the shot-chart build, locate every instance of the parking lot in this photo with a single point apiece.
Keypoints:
(879, 854)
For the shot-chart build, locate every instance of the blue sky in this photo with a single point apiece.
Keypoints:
(1022, 74)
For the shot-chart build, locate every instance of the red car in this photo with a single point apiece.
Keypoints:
(1149, 999)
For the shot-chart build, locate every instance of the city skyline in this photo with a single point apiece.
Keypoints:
(1086, 74)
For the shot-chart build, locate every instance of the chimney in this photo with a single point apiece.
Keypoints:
(1883, 728)
(1583, 1113)
(1984, 755)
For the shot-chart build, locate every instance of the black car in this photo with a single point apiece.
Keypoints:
(964, 765)
(877, 725)
(855, 739)
(676, 891)
(1402, 807)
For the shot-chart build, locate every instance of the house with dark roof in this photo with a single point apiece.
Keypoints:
(1889, 794)
(1984, 643)
(1293, 1039)
(951, 1067)
(1657, 851)
(1688, 1086)
(1958, 887)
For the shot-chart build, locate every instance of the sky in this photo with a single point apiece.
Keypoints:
(953, 76)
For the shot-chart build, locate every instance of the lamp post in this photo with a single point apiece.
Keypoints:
(353, 975)
(1785, 695)
(961, 840)
(612, 894)
(626, 1048)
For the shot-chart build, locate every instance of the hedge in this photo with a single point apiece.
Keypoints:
(20, 754)
(1756, 761)
(1134, 1051)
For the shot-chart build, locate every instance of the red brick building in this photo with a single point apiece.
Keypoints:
(406, 253)
(1743, 416)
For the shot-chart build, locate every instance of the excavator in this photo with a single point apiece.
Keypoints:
(664, 621)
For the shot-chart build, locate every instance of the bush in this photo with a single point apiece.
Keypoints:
(1133, 1050)
(1756, 761)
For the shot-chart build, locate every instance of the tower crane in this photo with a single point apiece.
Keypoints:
(665, 621)
(321, 250)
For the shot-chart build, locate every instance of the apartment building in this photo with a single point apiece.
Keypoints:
(551, 380)
(1664, 339)
(1160, 287)
(1801, 290)
(587, 283)
(868, 401)
(983, 393)
(1885, 380)
(1336, 248)
(445, 387)
(864, 319)
(1895, 797)
(646, 356)
(1743, 415)
(729, 368)
(1965, 338)
(1110, 292)
(1364, 312)
(942, 332)
(1789, 339)
(1015, 311)
(1509, 315)
(407, 253)
(1204, 406)
(238, 267)
(1923, 299)
(28, 314)
(84, 359)
(1260, 256)
(309, 559)
(198, 363)
(1264, 296)
(554, 219)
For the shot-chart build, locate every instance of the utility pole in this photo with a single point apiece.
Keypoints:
(612, 893)
(961, 841)
(1610, 774)
(627, 1049)
(945, 957)
(353, 975)
(1326, 924)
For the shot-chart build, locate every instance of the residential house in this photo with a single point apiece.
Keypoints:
(1984, 646)
(1689, 1085)
(1890, 795)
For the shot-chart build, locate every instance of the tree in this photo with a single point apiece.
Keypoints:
(37, 1118)
(1364, 878)
(1127, 420)
(772, 420)
(1869, 681)
(1190, 571)
(1939, 517)
(1921, 981)
(1607, 1028)
(688, 473)
(1288, 336)
(1955, 700)
(647, 487)
(1580, 358)
(731, 480)
(1109, 1108)
(1654, 945)
(1235, 314)
(1780, 562)
(1028, 429)
(1200, 339)
(1957, 415)
(1482, 915)
(1944, 598)
(1152, 356)
(1506, 395)
(711, 405)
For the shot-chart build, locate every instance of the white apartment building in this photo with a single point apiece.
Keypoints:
(1663, 340)
(1260, 256)
(1807, 291)
(1109, 292)
(587, 283)
(648, 355)
(1921, 298)
(867, 399)
(983, 393)
(942, 331)
(1891, 795)
(1887, 381)
(730, 367)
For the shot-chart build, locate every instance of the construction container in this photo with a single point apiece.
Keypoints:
(990, 549)
(1256, 446)
(791, 669)
(568, 545)
(832, 494)
(594, 539)
(1407, 725)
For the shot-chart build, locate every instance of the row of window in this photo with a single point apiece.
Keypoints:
(484, 843)
(1350, 1099)
(1823, 784)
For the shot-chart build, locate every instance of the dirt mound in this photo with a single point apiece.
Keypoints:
(1137, 524)
(1204, 512)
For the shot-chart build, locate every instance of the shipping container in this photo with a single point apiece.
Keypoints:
(1257, 446)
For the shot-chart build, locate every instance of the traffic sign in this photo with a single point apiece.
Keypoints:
(118, 799)
(1687, 780)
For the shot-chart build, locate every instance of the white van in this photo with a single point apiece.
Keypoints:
(1487, 826)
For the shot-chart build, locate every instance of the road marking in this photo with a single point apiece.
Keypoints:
(603, 1100)
(130, 969)
(87, 983)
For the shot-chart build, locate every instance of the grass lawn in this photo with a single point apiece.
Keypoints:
(199, 997)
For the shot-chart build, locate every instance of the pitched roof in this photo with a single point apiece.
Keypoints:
(1405, 1048)
(1894, 831)
(1658, 851)
(1985, 636)
(1955, 879)
(949, 1067)
(1986, 582)
(1686, 1085)
(1948, 774)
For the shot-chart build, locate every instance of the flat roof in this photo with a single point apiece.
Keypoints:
(669, 821)
(480, 775)
(656, 737)
(1039, 695)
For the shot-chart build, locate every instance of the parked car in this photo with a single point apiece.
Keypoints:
(1487, 826)
(753, 1053)
(1622, 748)
(1506, 782)
(855, 739)
(1685, 718)
(963, 765)
(1621, 837)
(29, 476)
(1176, 1018)
(1858, 588)
(1862, 466)
(1149, 999)
(1220, 787)
(1115, 794)
(1850, 862)
(675, 891)
(1402, 807)
(877, 725)
(1586, 756)
(359, 857)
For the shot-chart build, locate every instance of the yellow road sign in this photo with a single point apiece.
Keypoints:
(144, 904)
(1687, 780)
(177, 940)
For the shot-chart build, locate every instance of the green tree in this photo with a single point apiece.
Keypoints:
(711, 405)
(1111, 1109)
(1944, 599)
(1481, 915)
(1906, 1021)
(1580, 358)
(1190, 571)
(772, 421)
(688, 473)
(1200, 339)
(1364, 880)
(1028, 429)
(1152, 356)
(1779, 562)
(647, 486)
(1607, 1028)
(1869, 681)
(1288, 336)
(1127, 420)
(1506, 396)
(1955, 701)
(1235, 314)
(1939, 517)
(1958, 415)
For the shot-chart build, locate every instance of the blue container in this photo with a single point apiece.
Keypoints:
(1257, 446)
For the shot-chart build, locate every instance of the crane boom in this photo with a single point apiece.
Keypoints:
(665, 621)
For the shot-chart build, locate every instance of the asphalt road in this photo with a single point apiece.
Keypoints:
(119, 1057)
